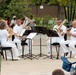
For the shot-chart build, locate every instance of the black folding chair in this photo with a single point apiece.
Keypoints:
(5, 49)
(57, 46)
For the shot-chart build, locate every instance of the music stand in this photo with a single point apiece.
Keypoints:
(23, 43)
(27, 32)
(52, 33)
(40, 30)
(30, 35)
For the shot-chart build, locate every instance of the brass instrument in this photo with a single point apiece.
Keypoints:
(58, 27)
(68, 29)
(29, 20)
(11, 30)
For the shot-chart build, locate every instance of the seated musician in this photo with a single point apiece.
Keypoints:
(61, 31)
(4, 35)
(72, 41)
(17, 29)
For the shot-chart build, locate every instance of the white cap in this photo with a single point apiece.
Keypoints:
(14, 16)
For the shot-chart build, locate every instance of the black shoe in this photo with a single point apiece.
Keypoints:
(65, 54)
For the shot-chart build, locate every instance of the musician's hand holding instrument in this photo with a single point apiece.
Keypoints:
(68, 31)
(58, 27)
(10, 31)
(61, 32)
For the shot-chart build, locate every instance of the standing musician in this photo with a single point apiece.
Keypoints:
(17, 29)
(72, 41)
(4, 35)
(61, 31)
(13, 22)
(32, 23)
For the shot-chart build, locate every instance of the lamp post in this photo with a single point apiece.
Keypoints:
(41, 6)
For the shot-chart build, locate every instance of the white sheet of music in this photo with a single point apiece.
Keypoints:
(31, 35)
(23, 30)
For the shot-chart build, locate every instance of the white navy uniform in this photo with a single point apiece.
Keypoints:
(56, 39)
(71, 42)
(5, 43)
(17, 29)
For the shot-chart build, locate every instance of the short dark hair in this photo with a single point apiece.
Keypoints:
(58, 72)
(2, 24)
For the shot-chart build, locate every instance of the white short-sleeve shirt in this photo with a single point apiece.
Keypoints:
(73, 31)
(4, 35)
(62, 27)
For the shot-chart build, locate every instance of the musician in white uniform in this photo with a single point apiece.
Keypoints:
(72, 41)
(4, 35)
(17, 29)
(61, 31)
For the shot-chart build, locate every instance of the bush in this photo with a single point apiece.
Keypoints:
(47, 21)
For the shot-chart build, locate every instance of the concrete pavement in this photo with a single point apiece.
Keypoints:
(35, 66)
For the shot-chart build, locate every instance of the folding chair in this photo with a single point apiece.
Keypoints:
(5, 49)
(23, 43)
(57, 46)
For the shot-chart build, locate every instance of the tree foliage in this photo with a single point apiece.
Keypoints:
(68, 6)
(3, 7)
(18, 7)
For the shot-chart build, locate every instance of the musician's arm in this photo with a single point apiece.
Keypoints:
(74, 35)
(70, 34)
(63, 31)
(15, 32)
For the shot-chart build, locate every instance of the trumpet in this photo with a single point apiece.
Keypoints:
(10, 30)
(58, 27)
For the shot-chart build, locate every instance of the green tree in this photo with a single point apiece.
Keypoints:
(17, 7)
(3, 7)
(69, 8)
(39, 2)
(67, 5)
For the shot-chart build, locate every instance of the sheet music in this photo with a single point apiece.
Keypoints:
(22, 32)
(31, 35)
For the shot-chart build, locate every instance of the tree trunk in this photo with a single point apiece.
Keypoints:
(73, 15)
(65, 12)
(71, 10)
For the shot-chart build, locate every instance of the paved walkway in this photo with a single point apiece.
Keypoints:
(36, 66)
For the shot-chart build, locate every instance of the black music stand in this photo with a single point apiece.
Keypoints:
(23, 43)
(41, 30)
(27, 32)
(30, 55)
(52, 33)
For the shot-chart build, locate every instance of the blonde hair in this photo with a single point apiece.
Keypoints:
(2, 24)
